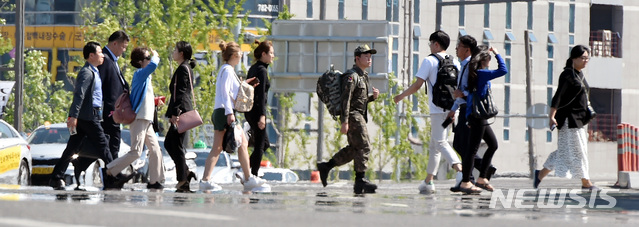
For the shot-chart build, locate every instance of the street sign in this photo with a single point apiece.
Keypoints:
(537, 116)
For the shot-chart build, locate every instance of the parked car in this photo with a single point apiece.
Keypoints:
(47, 144)
(169, 165)
(278, 175)
(223, 171)
(268, 173)
(15, 157)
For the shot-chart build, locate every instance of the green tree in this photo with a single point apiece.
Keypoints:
(45, 101)
(387, 148)
(159, 24)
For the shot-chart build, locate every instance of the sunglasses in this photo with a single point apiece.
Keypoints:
(148, 57)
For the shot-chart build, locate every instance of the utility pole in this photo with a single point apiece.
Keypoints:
(531, 145)
(19, 66)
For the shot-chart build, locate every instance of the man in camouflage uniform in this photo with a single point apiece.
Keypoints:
(355, 99)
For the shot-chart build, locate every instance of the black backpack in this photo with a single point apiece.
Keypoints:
(446, 83)
(329, 91)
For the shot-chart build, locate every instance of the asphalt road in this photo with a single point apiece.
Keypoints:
(308, 204)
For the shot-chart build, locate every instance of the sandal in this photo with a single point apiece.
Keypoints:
(473, 190)
(486, 187)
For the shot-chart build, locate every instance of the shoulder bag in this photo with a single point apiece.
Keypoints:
(244, 100)
(189, 119)
(590, 112)
(123, 112)
(484, 107)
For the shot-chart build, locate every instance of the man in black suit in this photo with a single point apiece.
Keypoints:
(113, 84)
(85, 115)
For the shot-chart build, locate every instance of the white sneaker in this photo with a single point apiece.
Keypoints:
(209, 186)
(253, 182)
(238, 175)
(262, 188)
(426, 188)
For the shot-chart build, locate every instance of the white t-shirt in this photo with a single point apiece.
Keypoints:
(428, 72)
(226, 89)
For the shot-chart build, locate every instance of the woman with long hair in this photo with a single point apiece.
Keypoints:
(479, 77)
(226, 90)
(181, 101)
(568, 112)
(256, 118)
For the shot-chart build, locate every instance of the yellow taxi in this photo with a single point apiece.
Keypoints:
(15, 157)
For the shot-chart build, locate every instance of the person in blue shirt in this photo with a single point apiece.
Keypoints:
(479, 77)
(85, 115)
(142, 101)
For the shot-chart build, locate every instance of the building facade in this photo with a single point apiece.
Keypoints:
(554, 26)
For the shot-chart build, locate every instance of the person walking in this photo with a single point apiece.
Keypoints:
(354, 115)
(142, 133)
(226, 90)
(85, 115)
(256, 118)
(181, 101)
(466, 48)
(569, 113)
(113, 85)
(479, 85)
(439, 42)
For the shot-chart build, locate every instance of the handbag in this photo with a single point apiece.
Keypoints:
(123, 112)
(590, 113)
(483, 107)
(243, 102)
(189, 119)
(232, 138)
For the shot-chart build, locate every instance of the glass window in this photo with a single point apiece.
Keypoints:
(396, 10)
(551, 51)
(50, 135)
(6, 132)
(551, 16)
(389, 10)
(506, 105)
(509, 15)
(364, 9)
(530, 15)
(416, 11)
(416, 44)
(527, 135)
(507, 99)
(395, 44)
(548, 136)
(508, 48)
(486, 15)
(571, 40)
(309, 8)
(506, 134)
(509, 37)
(507, 76)
(549, 95)
(340, 9)
(571, 19)
(64, 5)
(550, 70)
(462, 13)
(416, 62)
(395, 60)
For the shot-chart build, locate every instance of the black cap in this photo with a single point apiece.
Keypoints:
(364, 49)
